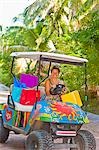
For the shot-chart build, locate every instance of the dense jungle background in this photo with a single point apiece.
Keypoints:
(68, 27)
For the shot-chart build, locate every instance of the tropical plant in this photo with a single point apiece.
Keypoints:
(64, 26)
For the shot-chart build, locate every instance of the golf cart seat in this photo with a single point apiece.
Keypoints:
(23, 108)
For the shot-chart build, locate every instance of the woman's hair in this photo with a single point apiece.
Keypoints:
(55, 67)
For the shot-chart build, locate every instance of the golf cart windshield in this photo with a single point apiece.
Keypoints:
(50, 58)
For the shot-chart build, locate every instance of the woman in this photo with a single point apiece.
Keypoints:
(52, 81)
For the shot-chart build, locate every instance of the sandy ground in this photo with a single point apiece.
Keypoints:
(16, 142)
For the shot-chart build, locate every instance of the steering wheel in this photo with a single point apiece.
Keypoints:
(57, 90)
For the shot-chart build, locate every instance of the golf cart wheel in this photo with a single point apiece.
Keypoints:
(48, 138)
(4, 133)
(38, 140)
(85, 141)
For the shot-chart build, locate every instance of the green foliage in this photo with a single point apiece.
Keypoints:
(88, 39)
(71, 25)
(73, 76)
(93, 106)
(5, 69)
(29, 38)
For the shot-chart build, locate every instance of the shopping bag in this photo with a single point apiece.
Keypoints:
(16, 93)
(29, 97)
(72, 97)
(18, 83)
(29, 80)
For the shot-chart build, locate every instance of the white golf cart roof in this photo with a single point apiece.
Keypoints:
(51, 57)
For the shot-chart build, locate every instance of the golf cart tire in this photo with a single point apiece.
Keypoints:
(49, 141)
(42, 140)
(85, 140)
(4, 133)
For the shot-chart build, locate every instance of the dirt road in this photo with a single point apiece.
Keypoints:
(16, 142)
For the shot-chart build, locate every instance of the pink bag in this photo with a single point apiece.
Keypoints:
(29, 80)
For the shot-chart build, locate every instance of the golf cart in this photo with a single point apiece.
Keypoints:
(45, 121)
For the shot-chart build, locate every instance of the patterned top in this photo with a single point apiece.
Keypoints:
(54, 97)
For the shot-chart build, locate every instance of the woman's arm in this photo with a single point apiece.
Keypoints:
(47, 87)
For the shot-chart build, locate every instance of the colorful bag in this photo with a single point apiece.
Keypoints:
(29, 97)
(16, 93)
(17, 83)
(29, 80)
(72, 97)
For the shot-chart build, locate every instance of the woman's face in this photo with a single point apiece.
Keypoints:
(55, 73)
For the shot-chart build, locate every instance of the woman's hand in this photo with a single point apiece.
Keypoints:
(64, 90)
